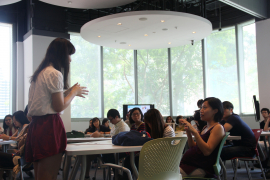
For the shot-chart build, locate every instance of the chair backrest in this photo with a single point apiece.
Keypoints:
(257, 134)
(75, 134)
(160, 158)
(217, 165)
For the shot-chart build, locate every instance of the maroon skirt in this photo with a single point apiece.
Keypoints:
(46, 137)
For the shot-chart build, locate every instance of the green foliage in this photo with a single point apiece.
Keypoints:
(153, 75)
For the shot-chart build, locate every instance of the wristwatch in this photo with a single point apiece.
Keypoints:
(9, 137)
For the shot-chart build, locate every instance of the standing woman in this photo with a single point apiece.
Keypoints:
(8, 125)
(46, 140)
(136, 118)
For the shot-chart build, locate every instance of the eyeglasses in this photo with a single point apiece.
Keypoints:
(136, 114)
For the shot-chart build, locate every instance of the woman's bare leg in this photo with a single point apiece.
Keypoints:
(48, 167)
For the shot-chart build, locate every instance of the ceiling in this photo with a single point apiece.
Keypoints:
(146, 29)
(6, 2)
(88, 4)
(44, 16)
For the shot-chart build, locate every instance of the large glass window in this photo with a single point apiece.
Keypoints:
(118, 70)
(221, 67)
(187, 78)
(225, 76)
(85, 69)
(5, 69)
(153, 79)
(249, 62)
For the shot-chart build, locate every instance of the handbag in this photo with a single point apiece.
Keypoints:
(131, 138)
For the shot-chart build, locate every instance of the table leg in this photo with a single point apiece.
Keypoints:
(83, 167)
(265, 144)
(133, 166)
(75, 168)
(66, 167)
(224, 169)
(116, 172)
(4, 148)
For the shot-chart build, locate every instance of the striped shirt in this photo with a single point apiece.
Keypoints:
(168, 132)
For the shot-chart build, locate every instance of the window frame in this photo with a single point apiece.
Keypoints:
(239, 51)
(13, 67)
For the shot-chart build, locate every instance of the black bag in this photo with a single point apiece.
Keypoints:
(131, 138)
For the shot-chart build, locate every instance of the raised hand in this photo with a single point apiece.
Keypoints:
(188, 127)
(80, 90)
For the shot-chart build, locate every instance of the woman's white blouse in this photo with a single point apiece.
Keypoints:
(49, 81)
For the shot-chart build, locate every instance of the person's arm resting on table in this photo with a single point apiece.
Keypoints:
(227, 127)
(266, 126)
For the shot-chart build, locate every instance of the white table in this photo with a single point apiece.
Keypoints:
(265, 133)
(87, 139)
(228, 138)
(83, 149)
(5, 144)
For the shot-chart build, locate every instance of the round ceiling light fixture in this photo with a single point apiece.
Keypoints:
(88, 4)
(6, 2)
(133, 30)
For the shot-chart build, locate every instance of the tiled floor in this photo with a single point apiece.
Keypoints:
(242, 175)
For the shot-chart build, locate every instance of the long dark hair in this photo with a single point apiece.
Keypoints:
(20, 117)
(131, 121)
(94, 120)
(167, 119)
(153, 117)
(58, 56)
(197, 117)
(104, 121)
(4, 123)
(215, 103)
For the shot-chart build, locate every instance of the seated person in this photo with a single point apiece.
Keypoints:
(21, 122)
(105, 122)
(96, 129)
(199, 103)
(156, 127)
(8, 125)
(127, 119)
(199, 159)
(90, 126)
(197, 118)
(136, 118)
(179, 126)
(265, 123)
(237, 127)
(119, 125)
(169, 119)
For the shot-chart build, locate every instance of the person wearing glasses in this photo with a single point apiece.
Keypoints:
(136, 118)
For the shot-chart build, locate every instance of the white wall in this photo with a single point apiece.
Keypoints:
(35, 47)
(20, 77)
(263, 61)
(28, 65)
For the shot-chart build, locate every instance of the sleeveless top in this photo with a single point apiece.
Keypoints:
(194, 158)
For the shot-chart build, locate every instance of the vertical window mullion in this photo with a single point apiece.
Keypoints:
(204, 62)
(136, 76)
(170, 80)
(101, 83)
(240, 64)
